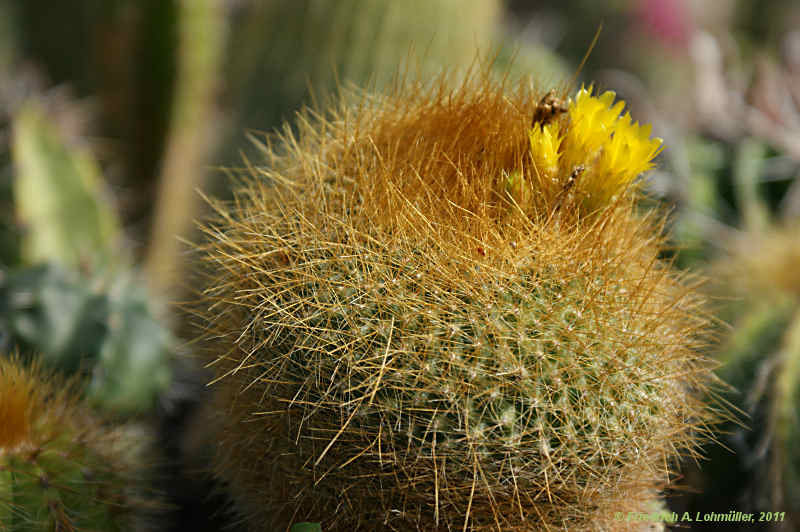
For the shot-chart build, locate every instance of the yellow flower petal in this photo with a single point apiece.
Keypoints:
(545, 143)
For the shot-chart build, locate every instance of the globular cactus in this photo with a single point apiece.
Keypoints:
(60, 467)
(426, 312)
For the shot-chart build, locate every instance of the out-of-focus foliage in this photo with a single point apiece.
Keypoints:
(306, 527)
(285, 53)
(122, 54)
(134, 359)
(46, 310)
(8, 36)
(66, 217)
(78, 326)
(192, 140)
(73, 298)
(9, 244)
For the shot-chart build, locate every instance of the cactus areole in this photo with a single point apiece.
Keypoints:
(439, 308)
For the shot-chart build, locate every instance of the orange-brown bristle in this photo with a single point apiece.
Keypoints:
(438, 151)
(16, 394)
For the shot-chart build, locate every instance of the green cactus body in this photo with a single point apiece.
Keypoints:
(400, 344)
(61, 469)
(755, 337)
(786, 431)
(57, 489)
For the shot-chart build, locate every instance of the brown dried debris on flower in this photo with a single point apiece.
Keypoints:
(414, 328)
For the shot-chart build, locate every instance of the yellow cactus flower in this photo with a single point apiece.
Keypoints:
(592, 121)
(607, 150)
(627, 154)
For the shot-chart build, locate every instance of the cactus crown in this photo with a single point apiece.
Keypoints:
(419, 302)
(471, 150)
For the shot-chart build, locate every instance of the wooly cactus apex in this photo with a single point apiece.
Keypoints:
(442, 310)
(60, 467)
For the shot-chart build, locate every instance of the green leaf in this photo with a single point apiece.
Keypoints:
(112, 338)
(306, 527)
(58, 197)
(48, 311)
(134, 364)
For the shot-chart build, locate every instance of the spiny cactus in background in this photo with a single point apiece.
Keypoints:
(757, 291)
(761, 359)
(427, 313)
(61, 468)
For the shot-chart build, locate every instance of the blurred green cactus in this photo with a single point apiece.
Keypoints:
(62, 468)
(760, 358)
(294, 44)
(785, 416)
(288, 52)
(757, 286)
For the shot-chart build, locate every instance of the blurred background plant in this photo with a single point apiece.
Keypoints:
(112, 113)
